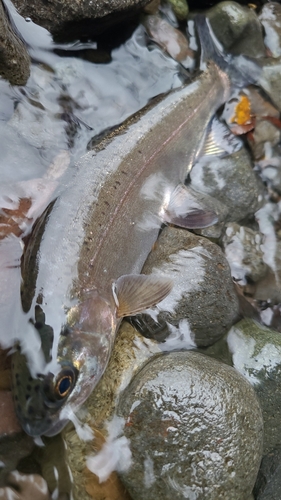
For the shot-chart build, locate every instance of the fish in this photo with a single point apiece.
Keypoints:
(81, 268)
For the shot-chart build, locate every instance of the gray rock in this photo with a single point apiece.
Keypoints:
(270, 18)
(256, 353)
(14, 58)
(242, 247)
(195, 430)
(237, 28)
(72, 19)
(232, 181)
(270, 80)
(268, 484)
(203, 304)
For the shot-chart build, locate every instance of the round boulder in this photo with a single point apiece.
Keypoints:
(195, 430)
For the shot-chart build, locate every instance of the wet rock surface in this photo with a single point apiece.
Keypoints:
(232, 181)
(256, 353)
(238, 29)
(82, 18)
(14, 58)
(243, 250)
(195, 430)
(202, 304)
(268, 484)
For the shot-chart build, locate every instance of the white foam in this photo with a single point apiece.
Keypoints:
(115, 454)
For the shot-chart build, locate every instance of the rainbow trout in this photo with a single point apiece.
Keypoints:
(81, 269)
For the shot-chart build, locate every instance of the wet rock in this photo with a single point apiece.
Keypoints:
(232, 181)
(131, 351)
(270, 79)
(268, 484)
(25, 487)
(82, 18)
(256, 353)
(237, 28)
(169, 39)
(195, 430)
(14, 58)
(202, 304)
(270, 18)
(152, 7)
(180, 9)
(265, 136)
(242, 247)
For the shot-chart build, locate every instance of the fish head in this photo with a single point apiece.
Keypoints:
(68, 378)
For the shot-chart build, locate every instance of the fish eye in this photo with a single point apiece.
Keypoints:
(63, 385)
(59, 387)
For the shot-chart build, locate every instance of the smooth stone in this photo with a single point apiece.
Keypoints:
(232, 181)
(14, 58)
(202, 304)
(237, 28)
(195, 430)
(256, 354)
(242, 248)
(78, 19)
(180, 9)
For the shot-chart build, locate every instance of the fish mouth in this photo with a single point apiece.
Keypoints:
(44, 429)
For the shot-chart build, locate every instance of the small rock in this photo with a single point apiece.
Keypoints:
(270, 18)
(256, 353)
(25, 487)
(237, 28)
(170, 39)
(180, 9)
(232, 181)
(195, 430)
(202, 304)
(242, 247)
(270, 79)
(152, 7)
(14, 58)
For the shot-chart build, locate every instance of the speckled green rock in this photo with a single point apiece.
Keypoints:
(180, 9)
(256, 353)
(238, 29)
(14, 58)
(195, 430)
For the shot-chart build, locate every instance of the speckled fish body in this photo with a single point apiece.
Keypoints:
(102, 228)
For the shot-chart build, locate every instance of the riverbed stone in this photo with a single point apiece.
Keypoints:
(195, 430)
(243, 250)
(232, 181)
(14, 58)
(270, 80)
(256, 353)
(238, 29)
(202, 304)
(86, 18)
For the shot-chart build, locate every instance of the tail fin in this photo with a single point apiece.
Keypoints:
(241, 69)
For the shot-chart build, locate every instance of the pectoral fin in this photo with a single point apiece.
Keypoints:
(187, 211)
(134, 293)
